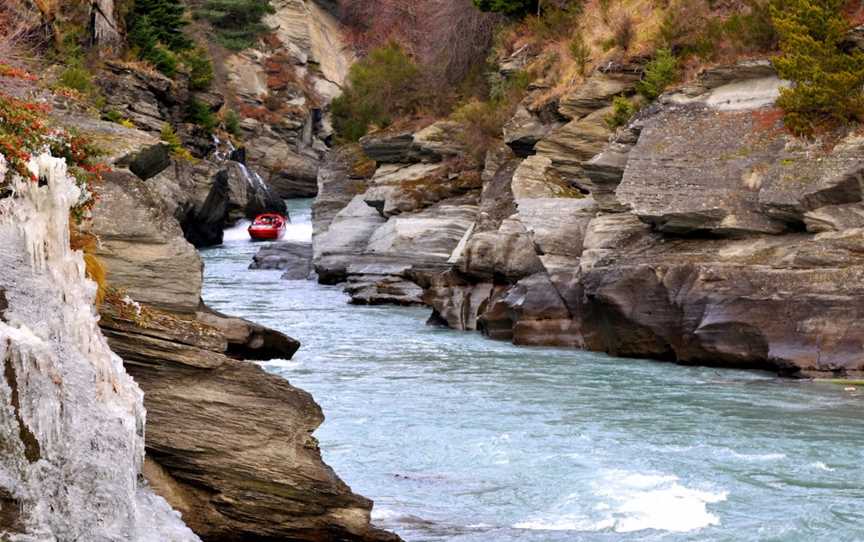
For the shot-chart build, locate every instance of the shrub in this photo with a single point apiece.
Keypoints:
(77, 77)
(159, 21)
(580, 52)
(826, 81)
(622, 111)
(483, 121)
(232, 123)
(199, 113)
(237, 23)
(508, 7)
(25, 129)
(691, 27)
(754, 29)
(175, 146)
(381, 86)
(623, 31)
(197, 61)
(142, 35)
(554, 21)
(659, 74)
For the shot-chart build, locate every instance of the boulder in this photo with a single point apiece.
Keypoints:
(343, 175)
(150, 161)
(524, 130)
(145, 97)
(289, 174)
(346, 237)
(698, 170)
(295, 258)
(382, 289)
(430, 144)
(401, 188)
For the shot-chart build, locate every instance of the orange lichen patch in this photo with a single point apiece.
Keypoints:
(767, 120)
(16, 73)
(96, 272)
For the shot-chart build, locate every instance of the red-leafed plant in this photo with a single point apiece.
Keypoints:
(26, 130)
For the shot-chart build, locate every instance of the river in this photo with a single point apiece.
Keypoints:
(460, 438)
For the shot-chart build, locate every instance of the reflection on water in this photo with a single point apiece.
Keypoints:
(460, 438)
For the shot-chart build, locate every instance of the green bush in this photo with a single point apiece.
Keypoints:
(232, 123)
(482, 121)
(77, 77)
(826, 80)
(622, 111)
(554, 21)
(381, 86)
(199, 113)
(753, 30)
(164, 23)
(692, 27)
(237, 23)
(508, 7)
(580, 52)
(659, 74)
(143, 37)
(175, 145)
(197, 61)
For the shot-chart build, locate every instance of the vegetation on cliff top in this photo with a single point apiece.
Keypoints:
(25, 130)
(827, 81)
(237, 23)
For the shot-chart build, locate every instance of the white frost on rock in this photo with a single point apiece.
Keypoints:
(71, 419)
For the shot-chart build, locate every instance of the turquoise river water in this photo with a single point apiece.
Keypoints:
(459, 438)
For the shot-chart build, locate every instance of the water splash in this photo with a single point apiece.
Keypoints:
(71, 419)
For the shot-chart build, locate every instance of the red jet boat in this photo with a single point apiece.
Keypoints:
(267, 227)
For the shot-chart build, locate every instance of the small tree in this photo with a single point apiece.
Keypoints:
(826, 81)
(237, 22)
(659, 74)
(380, 86)
(508, 7)
(165, 23)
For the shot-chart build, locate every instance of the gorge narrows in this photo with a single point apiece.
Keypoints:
(457, 437)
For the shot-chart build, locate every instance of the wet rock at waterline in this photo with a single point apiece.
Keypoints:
(295, 258)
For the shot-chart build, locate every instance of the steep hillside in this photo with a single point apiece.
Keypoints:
(676, 182)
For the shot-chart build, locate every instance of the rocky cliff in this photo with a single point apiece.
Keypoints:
(702, 233)
(72, 419)
(247, 469)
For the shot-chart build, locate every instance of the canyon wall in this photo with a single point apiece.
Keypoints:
(701, 233)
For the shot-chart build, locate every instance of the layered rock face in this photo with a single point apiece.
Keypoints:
(237, 469)
(702, 233)
(283, 89)
(280, 89)
(390, 214)
(245, 469)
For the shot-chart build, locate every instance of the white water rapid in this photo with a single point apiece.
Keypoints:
(71, 419)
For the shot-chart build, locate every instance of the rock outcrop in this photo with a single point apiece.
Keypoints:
(406, 217)
(282, 89)
(702, 233)
(237, 469)
(245, 469)
(72, 419)
(294, 258)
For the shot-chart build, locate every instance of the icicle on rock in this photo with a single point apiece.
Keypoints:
(71, 419)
